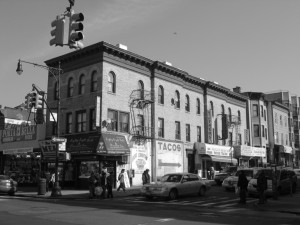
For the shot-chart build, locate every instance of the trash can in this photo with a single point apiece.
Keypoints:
(42, 186)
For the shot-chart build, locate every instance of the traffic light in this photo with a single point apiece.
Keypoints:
(36, 100)
(28, 101)
(58, 32)
(224, 127)
(75, 27)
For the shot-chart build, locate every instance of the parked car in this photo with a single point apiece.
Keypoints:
(297, 171)
(283, 185)
(173, 185)
(8, 185)
(230, 182)
(226, 172)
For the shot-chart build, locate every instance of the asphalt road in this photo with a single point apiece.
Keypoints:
(217, 207)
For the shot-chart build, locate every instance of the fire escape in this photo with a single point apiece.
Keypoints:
(140, 113)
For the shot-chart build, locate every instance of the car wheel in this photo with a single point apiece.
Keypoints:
(202, 191)
(173, 194)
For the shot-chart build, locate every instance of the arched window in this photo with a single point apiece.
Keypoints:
(111, 86)
(160, 95)
(56, 91)
(198, 105)
(71, 87)
(81, 84)
(229, 115)
(239, 117)
(212, 108)
(94, 81)
(187, 103)
(177, 99)
(141, 89)
(223, 109)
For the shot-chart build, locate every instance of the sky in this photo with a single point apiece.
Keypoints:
(253, 44)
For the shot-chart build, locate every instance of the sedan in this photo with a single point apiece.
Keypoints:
(7, 185)
(171, 186)
(231, 182)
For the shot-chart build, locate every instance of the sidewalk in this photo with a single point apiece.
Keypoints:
(73, 193)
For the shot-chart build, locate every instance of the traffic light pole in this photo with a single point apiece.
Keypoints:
(56, 72)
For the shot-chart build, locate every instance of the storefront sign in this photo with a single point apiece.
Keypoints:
(82, 143)
(113, 144)
(245, 150)
(140, 158)
(169, 157)
(286, 149)
(208, 149)
(17, 132)
(17, 151)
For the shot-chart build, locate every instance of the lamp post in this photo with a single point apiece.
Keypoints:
(56, 72)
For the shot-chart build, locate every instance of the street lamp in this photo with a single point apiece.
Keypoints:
(56, 72)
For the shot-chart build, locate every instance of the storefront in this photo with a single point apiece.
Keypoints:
(283, 155)
(94, 151)
(249, 156)
(209, 155)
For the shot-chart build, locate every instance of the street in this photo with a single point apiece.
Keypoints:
(217, 207)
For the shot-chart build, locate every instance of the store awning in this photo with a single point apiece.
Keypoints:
(224, 159)
(112, 144)
(285, 149)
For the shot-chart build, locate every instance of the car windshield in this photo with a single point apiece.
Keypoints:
(229, 169)
(171, 178)
(268, 174)
(248, 173)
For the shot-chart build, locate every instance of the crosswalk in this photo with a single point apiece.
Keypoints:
(212, 201)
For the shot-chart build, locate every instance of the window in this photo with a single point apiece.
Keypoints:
(113, 116)
(92, 119)
(239, 117)
(198, 106)
(161, 127)
(262, 111)
(160, 95)
(280, 120)
(256, 130)
(56, 91)
(230, 138)
(282, 140)
(141, 89)
(276, 137)
(69, 121)
(286, 139)
(265, 115)
(255, 110)
(80, 121)
(276, 119)
(177, 99)
(124, 122)
(266, 133)
(71, 87)
(187, 103)
(262, 130)
(198, 134)
(177, 130)
(239, 139)
(229, 115)
(94, 81)
(140, 125)
(285, 121)
(111, 86)
(212, 108)
(81, 84)
(188, 132)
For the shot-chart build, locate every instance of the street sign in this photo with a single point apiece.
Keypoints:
(58, 139)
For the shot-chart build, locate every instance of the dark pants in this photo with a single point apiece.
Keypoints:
(262, 197)
(103, 191)
(243, 192)
(122, 185)
(109, 191)
(92, 190)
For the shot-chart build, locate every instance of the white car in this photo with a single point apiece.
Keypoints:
(231, 182)
(173, 185)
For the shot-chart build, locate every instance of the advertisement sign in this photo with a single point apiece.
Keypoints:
(169, 157)
(17, 151)
(140, 158)
(217, 150)
(82, 143)
(245, 150)
(113, 144)
(18, 132)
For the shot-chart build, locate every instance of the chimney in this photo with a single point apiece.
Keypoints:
(122, 46)
(237, 89)
(167, 63)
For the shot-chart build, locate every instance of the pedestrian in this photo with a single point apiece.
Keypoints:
(48, 178)
(92, 184)
(146, 177)
(103, 182)
(262, 185)
(110, 182)
(121, 179)
(242, 185)
(212, 172)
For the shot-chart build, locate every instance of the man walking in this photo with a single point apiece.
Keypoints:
(262, 185)
(242, 184)
(146, 177)
(121, 178)
(110, 182)
(103, 181)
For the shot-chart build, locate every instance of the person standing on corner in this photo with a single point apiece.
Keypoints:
(92, 184)
(146, 177)
(242, 184)
(110, 182)
(262, 185)
(121, 178)
(103, 182)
